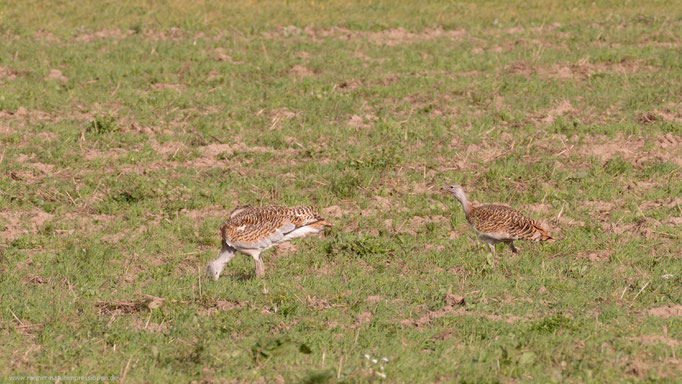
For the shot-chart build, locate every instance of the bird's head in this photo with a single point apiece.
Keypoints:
(212, 272)
(456, 190)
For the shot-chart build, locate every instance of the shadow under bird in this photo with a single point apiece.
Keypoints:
(498, 223)
(252, 230)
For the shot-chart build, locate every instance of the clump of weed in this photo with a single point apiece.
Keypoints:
(273, 140)
(184, 156)
(319, 376)
(345, 186)
(361, 245)
(268, 347)
(551, 324)
(25, 242)
(129, 191)
(617, 166)
(127, 196)
(663, 168)
(102, 124)
(382, 159)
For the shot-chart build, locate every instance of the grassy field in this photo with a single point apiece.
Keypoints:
(128, 131)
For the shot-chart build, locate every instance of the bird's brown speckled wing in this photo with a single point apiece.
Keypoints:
(505, 223)
(262, 227)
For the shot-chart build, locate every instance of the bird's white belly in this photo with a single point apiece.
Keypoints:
(300, 232)
(270, 241)
(483, 236)
(491, 238)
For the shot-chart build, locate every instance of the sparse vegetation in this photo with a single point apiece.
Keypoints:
(102, 125)
(127, 132)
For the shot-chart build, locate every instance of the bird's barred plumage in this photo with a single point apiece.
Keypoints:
(503, 222)
(498, 223)
(252, 230)
(261, 227)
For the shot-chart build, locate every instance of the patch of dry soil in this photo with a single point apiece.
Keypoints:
(666, 311)
(667, 147)
(16, 223)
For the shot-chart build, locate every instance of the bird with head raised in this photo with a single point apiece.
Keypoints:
(252, 230)
(495, 223)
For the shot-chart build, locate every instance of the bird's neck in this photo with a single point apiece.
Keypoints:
(466, 205)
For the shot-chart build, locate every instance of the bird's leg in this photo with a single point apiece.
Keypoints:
(215, 267)
(492, 247)
(260, 266)
(513, 248)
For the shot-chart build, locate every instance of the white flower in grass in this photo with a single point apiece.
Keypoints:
(379, 372)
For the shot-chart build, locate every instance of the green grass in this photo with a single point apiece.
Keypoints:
(117, 170)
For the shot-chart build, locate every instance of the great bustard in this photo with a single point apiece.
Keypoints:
(498, 223)
(252, 230)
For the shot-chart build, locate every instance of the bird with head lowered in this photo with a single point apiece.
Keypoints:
(252, 230)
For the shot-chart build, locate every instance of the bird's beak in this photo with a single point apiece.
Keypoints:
(443, 188)
(322, 223)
